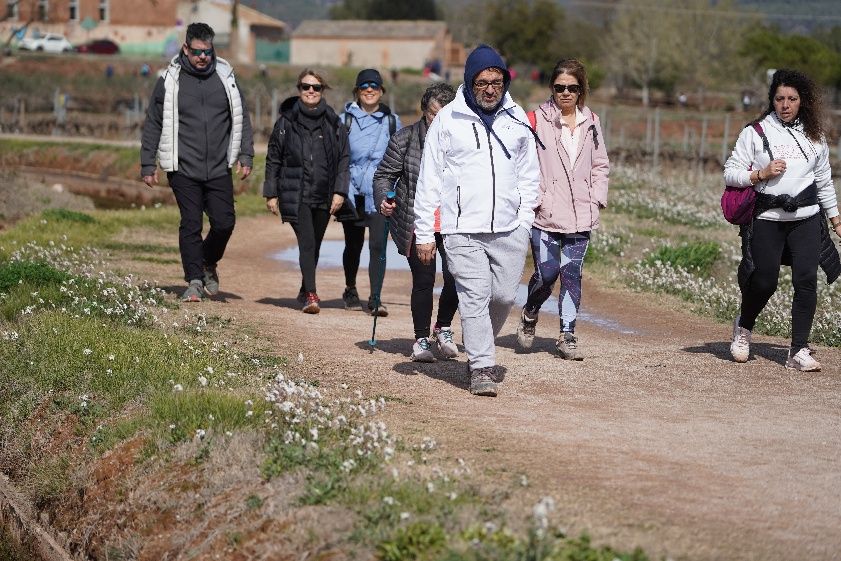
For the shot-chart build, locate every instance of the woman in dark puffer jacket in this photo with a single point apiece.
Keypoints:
(307, 174)
(400, 165)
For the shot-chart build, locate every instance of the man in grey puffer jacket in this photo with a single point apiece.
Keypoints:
(198, 126)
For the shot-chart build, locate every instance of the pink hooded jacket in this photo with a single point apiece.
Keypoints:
(572, 189)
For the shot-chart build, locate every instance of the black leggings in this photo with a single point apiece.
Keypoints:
(309, 229)
(355, 239)
(423, 283)
(770, 238)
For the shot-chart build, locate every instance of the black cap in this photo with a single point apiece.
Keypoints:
(368, 75)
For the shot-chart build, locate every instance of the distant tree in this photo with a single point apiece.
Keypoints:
(767, 47)
(385, 10)
(644, 46)
(526, 31)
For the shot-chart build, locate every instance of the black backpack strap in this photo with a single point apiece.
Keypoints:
(392, 124)
(348, 121)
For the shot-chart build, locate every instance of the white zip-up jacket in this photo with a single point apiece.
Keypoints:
(168, 145)
(807, 162)
(466, 173)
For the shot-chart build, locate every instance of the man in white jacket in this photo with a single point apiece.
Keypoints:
(480, 168)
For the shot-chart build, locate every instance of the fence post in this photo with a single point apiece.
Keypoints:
(605, 124)
(686, 138)
(257, 113)
(656, 138)
(648, 130)
(725, 142)
(703, 144)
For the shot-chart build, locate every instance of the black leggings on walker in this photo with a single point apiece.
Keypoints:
(770, 238)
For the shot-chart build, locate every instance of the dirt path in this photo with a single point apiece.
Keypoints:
(656, 439)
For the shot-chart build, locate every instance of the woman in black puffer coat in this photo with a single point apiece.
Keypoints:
(307, 174)
(398, 171)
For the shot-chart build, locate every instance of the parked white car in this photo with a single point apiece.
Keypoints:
(50, 43)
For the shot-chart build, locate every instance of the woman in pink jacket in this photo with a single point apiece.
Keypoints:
(573, 188)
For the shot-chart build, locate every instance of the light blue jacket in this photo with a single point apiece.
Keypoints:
(368, 138)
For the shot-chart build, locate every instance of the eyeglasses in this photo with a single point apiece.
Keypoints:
(561, 88)
(373, 85)
(199, 52)
(482, 84)
(314, 87)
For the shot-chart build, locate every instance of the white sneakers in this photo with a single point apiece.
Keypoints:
(740, 350)
(803, 361)
(422, 349)
(740, 347)
(446, 346)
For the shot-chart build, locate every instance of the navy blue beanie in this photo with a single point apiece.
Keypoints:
(484, 57)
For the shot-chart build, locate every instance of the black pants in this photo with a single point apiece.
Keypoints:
(802, 237)
(423, 283)
(355, 239)
(310, 228)
(194, 197)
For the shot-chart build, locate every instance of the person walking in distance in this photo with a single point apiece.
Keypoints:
(307, 174)
(788, 166)
(197, 125)
(573, 189)
(480, 167)
(398, 170)
(370, 124)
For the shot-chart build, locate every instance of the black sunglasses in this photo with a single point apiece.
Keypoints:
(314, 87)
(561, 88)
(198, 52)
(373, 85)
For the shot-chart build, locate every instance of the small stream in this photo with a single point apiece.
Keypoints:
(331, 258)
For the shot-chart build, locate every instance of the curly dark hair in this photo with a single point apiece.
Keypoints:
(811, 111)
(441, 92)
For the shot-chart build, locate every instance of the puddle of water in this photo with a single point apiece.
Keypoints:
(331, 257)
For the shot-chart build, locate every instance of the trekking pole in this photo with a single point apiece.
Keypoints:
(389, 197)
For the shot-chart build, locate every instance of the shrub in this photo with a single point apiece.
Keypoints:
(696, 256)
(64, 215)
(13, 273)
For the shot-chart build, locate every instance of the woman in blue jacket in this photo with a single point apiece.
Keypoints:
(370, 124)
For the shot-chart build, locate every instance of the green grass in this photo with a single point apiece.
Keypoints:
(699, 257)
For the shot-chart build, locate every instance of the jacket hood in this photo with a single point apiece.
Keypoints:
(354, 109)
(482, 58)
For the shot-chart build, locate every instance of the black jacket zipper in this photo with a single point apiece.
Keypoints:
(458, 204)
(476, 134)
(493, 180)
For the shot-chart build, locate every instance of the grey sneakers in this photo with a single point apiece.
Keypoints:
(194, 292)
(211, 281)
(803, 361)
(525, 331)
(446, 346)
(422, 351)
(482, 382)
(351, 298)
(567, 346)
(740, 345)
(381, 310)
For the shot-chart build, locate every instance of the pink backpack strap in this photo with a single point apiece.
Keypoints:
(532, 119)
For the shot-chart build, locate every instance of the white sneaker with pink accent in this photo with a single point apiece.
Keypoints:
(803, 361)
(740, 347)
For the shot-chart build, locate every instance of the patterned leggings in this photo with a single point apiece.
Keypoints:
(557, 255)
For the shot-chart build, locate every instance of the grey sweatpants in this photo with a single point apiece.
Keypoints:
(487, 269)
